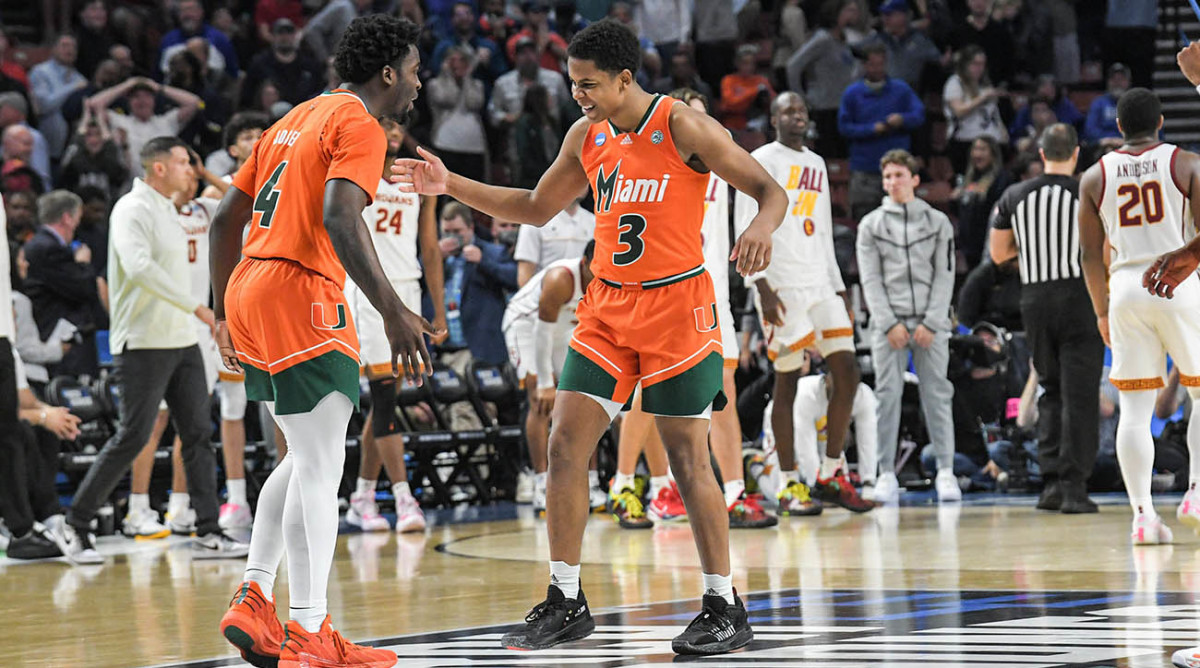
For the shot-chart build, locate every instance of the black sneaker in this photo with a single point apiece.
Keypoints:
(553, 621)
(1052, 496)
(33, 545)
(719, 628)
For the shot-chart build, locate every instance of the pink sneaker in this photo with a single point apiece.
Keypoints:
(235, 516)
(364, 514)
(1189, 509)
(1150, 530)
(667, 505)
(408, 515)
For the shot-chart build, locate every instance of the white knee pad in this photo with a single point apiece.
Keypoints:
(233, 399)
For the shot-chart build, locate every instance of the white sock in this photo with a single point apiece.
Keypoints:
(236, 489)
(829, 467)
(310, 618)
(657, 483)
(401, 491)
(1193, 441)
(310, 513)
(733, 490)
(719, 585)
(139, 502)
(178, 503)
(264, 580)
(790, 477)
(593, 479)
(365, 486)
(566, 578)
(1135, 448)
(539, 480)
(622, 482)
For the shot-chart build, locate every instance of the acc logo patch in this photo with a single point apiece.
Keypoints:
(600, 138)
(809, 228)
(657, 137)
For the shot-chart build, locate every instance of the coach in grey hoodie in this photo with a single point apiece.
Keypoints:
(906, 264)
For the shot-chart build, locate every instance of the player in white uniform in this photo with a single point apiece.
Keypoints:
(802, 302)
(1137, 199)
(399, 222)
(562, 237)
(537, 325)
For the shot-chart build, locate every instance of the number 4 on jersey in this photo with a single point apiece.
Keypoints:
(268, 197)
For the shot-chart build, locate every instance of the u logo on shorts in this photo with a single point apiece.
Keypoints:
(706, 318)
(319, 321)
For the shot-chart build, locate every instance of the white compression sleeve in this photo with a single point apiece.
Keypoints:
(1135, 447)
(543, 343)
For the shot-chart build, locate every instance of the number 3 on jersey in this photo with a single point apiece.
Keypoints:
(268, 197)
(629, 228)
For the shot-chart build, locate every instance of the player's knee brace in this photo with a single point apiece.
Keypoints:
(233, 400)
(384, 421)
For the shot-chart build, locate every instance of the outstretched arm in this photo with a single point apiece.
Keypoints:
(1091, 242)
(558, 187)
(698, 135)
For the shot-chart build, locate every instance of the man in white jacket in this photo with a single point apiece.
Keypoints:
(906, 264)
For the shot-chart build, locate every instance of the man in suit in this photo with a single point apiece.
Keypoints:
(62, 285)
(478, 277)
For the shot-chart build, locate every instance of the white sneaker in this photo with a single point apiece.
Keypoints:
(408, 515)
(182, 522)
(1150, 530)
(364, 514)
(524, 486)
(235, 516)
(79, 548)
(887, 489)
(947, 486)
(1186, 658)
(597, 499)
(539, 501)
(218, 546)
(1189, 510)
(143, 523)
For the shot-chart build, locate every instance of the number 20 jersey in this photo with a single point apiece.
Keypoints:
(1144, 210)
(392, 220)
(649, 204)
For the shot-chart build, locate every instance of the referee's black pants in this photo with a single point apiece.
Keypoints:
(1068, 354)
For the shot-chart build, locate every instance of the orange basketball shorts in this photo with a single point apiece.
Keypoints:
(666, 336)
(293, 333)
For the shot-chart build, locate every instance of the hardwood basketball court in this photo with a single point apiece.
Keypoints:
(991, 583)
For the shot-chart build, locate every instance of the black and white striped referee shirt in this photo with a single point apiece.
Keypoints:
(1042, 214)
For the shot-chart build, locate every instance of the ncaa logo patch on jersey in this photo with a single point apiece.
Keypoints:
(657, 137)
(600, 138)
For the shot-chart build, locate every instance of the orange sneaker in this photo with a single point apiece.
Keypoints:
(253, 627)
(328, 649)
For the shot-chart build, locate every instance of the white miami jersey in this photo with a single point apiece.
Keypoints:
(1145, 212)
(196, 218)
(393, 219)
(715, 234)
(524, 305)
(802, 253)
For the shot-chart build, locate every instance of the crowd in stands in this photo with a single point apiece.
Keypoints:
(966, 86)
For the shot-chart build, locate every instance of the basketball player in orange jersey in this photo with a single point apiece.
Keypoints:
(302, 192)
(649, 316)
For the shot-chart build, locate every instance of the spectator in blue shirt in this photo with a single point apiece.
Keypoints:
(191, 24)
(877, 114)
(1101, 125)
(478, 276)
(52, 82)
(489, 62)
(1064, 110)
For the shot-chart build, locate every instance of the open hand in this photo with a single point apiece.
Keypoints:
(752, 250)
(426, 177)
(405, 336)
(1168, 271)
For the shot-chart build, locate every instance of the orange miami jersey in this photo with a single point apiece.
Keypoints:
(650, 316)
(287, 313)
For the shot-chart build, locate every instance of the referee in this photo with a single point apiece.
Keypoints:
(1035, 221)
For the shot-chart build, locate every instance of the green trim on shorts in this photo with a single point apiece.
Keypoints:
(580, 374)
(299, 388)
(690, 392)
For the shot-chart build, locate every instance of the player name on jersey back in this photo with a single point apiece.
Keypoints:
(1145, 212)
